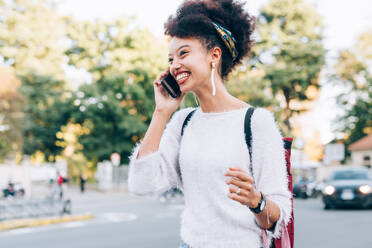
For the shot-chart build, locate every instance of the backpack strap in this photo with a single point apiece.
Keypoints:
(248, 140)
(188, 117)
(248, 134)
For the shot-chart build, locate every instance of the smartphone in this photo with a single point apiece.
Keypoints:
(171, 85)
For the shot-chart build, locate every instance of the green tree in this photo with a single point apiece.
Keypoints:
(116, 110)
(353, 74)
(110, 47)
(45, 114)
(36, 42)
(32, 42)
(291, 52)
(32, 37)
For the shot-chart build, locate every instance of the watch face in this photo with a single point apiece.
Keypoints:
(263, 204)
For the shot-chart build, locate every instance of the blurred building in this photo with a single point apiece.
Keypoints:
(361, 151)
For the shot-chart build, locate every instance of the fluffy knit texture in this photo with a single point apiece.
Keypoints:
(196, 162)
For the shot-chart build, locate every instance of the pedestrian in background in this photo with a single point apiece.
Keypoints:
(59, 181)
(82, 182)
(225, 205)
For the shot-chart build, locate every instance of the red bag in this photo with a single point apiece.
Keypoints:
(290, 227)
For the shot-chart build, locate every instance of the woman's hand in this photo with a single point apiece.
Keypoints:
(164, 102)
(239, 179)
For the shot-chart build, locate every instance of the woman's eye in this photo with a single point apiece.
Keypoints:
(182, 53)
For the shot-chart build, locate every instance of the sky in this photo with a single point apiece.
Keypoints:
(344, 20)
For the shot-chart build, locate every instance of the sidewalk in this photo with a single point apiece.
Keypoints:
(91, 204)
(80, 202)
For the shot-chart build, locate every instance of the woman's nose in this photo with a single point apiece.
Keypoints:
(176, 65)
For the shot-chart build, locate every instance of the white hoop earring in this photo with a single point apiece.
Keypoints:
(212, 80)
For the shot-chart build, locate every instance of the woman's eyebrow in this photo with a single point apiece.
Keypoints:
(180, 48)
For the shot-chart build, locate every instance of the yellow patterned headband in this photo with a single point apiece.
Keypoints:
(228, 39)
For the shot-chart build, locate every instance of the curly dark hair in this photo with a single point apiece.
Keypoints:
(194, 18)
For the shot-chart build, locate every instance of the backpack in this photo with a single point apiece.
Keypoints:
(287, 142)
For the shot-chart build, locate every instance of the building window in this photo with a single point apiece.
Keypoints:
(367, 161)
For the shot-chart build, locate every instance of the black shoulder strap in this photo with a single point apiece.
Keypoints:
(188, 117)
(248, 134)
(248, 140)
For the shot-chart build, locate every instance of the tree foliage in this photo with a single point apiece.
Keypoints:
(291, 51)
(111, 47)
(45, 112)
(116, 110)
(353, 71)
(32, 37)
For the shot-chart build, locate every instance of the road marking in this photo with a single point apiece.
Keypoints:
(73, 224)
(118, 217)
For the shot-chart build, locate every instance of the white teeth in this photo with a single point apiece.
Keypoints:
(182, 76)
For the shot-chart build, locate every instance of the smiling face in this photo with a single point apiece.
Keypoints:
(190, 63)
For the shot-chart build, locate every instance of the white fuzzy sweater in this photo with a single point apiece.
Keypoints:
(211, 143)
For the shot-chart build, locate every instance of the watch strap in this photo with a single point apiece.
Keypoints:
(257, 209)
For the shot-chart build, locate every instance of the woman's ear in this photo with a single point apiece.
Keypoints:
(216, 55)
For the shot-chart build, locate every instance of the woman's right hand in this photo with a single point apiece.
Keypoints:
(164, 102)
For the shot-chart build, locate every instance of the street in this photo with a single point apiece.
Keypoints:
(132, 222)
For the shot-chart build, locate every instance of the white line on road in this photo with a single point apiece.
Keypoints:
(73, 224)
(117, 217)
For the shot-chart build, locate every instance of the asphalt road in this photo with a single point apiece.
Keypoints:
(128, 222)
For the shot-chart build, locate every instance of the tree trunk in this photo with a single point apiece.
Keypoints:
(287, 110)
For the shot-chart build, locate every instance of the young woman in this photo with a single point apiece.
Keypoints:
(225, 206)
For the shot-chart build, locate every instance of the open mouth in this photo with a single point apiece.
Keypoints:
(182, 77)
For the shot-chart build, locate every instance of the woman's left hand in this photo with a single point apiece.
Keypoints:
(248, 195)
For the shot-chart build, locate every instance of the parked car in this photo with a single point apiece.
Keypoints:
(300, 189)
(350, 186)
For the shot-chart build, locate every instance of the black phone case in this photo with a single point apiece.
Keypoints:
(171, 85)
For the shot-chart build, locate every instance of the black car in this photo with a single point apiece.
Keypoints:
(351, 186)
(300, 189)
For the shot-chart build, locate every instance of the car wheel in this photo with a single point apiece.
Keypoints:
(327, 206)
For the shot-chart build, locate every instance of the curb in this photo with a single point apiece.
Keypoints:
(22, 223)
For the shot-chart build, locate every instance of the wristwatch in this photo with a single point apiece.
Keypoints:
(261, 205)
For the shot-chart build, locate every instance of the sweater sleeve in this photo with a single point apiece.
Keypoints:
(157, 172)
(269, 166)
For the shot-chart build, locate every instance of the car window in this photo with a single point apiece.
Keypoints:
(350, 175)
